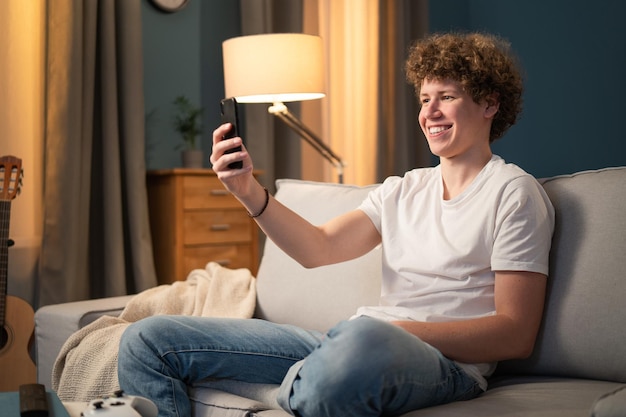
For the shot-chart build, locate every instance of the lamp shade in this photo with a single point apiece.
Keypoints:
(270, 68)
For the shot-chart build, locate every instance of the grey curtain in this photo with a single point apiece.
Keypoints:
(401, 144)
(96, 236)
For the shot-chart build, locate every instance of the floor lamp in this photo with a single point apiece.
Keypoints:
(277, 68)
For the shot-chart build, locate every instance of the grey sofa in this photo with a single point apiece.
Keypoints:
(578, 367)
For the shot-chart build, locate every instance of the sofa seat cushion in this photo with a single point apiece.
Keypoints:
(527, 397)
(262, 393)
(506, 397)
(612, 404)
(208, 402)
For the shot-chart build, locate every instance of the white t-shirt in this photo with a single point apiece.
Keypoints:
(439, 256)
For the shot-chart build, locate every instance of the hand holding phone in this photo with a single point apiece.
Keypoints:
(230, 115)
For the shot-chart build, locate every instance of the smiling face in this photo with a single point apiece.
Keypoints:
(453, 123)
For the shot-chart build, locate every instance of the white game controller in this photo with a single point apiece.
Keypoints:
(119, 404)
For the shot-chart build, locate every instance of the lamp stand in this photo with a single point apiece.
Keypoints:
(282, 112)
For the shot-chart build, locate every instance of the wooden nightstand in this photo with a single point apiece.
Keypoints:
(194, 220)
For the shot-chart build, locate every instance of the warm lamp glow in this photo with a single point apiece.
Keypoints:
(275, 68)
(270, 68)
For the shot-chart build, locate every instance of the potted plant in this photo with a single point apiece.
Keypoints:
(187, 124)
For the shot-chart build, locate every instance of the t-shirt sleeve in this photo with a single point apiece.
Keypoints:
(524, 227)
(373, 204)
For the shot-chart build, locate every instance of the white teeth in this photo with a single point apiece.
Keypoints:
(436, 129)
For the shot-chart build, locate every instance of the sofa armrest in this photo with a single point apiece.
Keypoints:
(54, 324)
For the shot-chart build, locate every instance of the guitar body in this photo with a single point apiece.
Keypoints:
(17, 319)
(16, 365)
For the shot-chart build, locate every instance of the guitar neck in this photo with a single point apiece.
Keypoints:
(10, 185)
(5, 217)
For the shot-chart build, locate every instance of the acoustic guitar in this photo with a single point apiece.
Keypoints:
(16, 315)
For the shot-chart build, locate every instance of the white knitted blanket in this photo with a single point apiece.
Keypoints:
(86, 367)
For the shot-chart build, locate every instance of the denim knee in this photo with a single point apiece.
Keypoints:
(355, 363)
(141, 333)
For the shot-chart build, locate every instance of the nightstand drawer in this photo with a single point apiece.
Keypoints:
(230, 256)
(206, 192)
(216, 226)
(194, 220)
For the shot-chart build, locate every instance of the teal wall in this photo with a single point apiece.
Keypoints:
(182, 54)
(574, 56)
(573, 53)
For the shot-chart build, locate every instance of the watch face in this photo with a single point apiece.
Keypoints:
(170, 5)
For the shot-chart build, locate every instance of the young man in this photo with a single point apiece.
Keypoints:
(465, 260)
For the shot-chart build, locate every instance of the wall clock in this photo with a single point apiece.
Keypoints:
(169, 6)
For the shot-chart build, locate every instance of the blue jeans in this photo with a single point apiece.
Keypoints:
(363, 367)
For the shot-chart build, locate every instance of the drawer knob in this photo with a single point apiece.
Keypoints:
(219, 192)
(220, 227)
(223, 262)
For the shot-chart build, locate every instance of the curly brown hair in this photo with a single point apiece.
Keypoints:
(482, 63)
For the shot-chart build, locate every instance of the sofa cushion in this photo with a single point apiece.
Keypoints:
(582, 334)
(207, 402)
(316, 298)
(612, 404)
(527, 397)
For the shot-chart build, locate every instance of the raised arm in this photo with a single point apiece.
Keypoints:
(345, 237)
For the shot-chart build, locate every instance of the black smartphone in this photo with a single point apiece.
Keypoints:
(230, 115)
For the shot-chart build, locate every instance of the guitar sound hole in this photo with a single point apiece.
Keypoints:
(4, 338)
